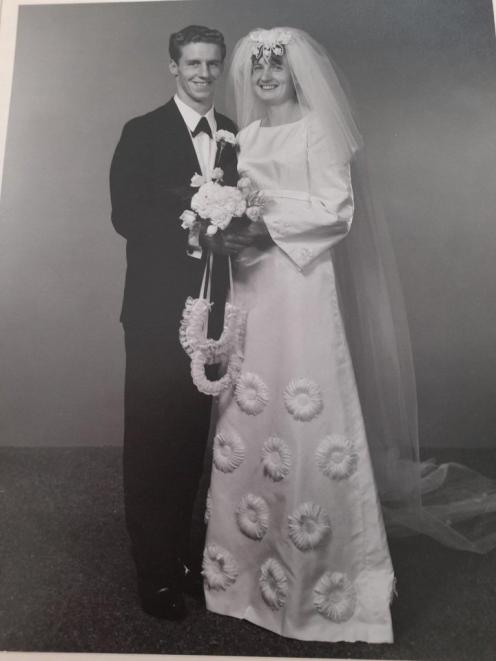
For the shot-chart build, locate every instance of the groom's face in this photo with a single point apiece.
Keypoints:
(196, 73)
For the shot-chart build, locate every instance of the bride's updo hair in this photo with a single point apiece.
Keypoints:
(276, 59)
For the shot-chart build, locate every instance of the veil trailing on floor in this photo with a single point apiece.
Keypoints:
(449, 502)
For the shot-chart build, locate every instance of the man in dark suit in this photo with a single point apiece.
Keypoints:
(166, 418)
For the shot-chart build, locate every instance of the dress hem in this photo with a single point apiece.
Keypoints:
(357, 633)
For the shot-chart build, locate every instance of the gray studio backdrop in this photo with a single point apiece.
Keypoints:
(423, 77)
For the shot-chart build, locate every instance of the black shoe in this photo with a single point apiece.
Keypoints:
(165, 603)
(193, 585)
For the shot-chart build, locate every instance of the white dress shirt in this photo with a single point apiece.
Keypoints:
(206, 149)
(205, 146)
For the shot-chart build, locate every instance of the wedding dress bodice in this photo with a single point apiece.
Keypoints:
(306, 194)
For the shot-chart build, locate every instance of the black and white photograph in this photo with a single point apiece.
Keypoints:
(247, 328)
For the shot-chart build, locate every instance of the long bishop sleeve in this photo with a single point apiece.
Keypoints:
(305, 223)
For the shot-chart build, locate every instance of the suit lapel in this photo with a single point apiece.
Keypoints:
(221, 124)
(181, 139)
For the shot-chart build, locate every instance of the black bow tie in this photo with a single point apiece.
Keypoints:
(202, 127)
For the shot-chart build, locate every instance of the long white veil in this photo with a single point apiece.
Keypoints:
(449, 502)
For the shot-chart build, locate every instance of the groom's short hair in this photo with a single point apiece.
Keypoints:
(194, 34)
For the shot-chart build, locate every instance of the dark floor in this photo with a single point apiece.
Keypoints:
(67, 582)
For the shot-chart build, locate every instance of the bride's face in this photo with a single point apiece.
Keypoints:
(272, 81)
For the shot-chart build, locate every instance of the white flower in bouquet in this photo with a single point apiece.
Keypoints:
(244, 185)
(218, 204)
(225, 136)
(189, 219)
(254, 213)
(197, 180)
(255, 199)
(217, 174)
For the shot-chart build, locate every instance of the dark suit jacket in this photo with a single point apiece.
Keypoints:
(154, 159)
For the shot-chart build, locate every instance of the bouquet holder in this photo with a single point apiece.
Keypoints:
(227, 350)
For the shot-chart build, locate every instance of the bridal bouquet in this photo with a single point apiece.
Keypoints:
(218, 204)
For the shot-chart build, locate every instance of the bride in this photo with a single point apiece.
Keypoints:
(295, 540)
(322, 421)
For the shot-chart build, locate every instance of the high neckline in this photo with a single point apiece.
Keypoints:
(278, 126)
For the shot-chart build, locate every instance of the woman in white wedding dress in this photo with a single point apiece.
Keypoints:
(295, 539)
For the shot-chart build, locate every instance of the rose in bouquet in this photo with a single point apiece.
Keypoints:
(255, 200)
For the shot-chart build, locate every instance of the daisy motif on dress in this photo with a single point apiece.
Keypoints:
(276, 458)
(229, 452)
(220, 569)
(309, 526)
(251, 393)
(252, 516)
(336, 457)
(273, 584)
(334, 597)
(208, 507)
(303, 399)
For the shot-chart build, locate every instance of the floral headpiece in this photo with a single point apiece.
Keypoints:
(269, 43)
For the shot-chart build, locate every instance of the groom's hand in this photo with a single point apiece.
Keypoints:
(219, 244)
(243, 233)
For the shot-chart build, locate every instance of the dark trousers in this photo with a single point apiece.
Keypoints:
(166, 430)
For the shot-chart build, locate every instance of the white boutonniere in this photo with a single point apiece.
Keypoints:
(225, 136)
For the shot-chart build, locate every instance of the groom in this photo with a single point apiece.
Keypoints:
(166, 418)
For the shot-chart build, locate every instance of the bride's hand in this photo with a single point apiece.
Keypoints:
(243, 233)
(222, 245)
(240, 234)
(222, 242)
